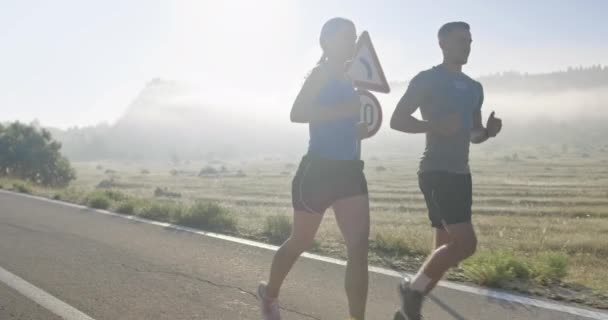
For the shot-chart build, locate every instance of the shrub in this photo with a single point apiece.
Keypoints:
(98, 201)
(277, 228)
(22, 187)
(161, 211)
(126, 206)
(550, 267)
(105, 184)
(114, 195)
(72, 195)
(208, 216)
(396, 244)
(208, 171)
(163, 192)
(493, 269)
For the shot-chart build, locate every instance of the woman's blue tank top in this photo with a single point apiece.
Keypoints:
(336, 139)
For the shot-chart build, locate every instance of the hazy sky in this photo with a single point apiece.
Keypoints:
(69, 62)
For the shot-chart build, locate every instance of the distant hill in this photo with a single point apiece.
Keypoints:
(166, 121)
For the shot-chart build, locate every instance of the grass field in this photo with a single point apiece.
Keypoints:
(525, 205)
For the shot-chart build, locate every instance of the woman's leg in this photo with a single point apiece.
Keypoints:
(305, 226)
(352, 215)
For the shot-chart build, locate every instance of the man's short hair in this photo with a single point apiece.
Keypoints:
(451, 26)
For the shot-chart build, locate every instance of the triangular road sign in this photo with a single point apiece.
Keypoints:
(365, 69)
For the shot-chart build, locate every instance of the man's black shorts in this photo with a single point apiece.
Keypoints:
(320, 182)
(449, 197)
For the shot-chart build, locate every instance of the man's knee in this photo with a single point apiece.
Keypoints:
(466, 245)
(463, 240)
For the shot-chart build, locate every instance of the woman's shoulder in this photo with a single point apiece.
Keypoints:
(317, 74)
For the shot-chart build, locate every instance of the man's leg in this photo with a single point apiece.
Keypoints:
(462, 244)
(449, 199)
(442, 237)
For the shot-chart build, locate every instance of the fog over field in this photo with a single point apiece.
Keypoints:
(173, 119)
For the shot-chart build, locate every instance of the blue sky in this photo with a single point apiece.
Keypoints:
(69, 62)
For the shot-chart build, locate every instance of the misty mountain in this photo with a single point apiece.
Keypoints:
(167, 120)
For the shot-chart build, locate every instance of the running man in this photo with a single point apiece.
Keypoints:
(450, 103)
(330, 174)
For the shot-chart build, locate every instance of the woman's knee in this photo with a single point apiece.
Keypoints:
(297, 245)
(358, 247)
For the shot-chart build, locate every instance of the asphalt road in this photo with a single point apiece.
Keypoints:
(111, 268)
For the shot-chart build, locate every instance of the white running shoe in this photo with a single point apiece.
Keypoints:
(269, 306)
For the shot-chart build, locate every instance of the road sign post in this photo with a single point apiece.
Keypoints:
(367, 75)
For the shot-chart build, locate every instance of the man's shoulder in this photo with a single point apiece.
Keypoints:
(472, 81)
(431, 72)
(425, 76)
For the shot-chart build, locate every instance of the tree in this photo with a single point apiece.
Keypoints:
(31, 154)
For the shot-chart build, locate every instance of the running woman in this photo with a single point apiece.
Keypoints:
(450, 103)
(330, 174)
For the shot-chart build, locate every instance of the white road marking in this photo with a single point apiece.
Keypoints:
(494, 294)
(54, 305)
